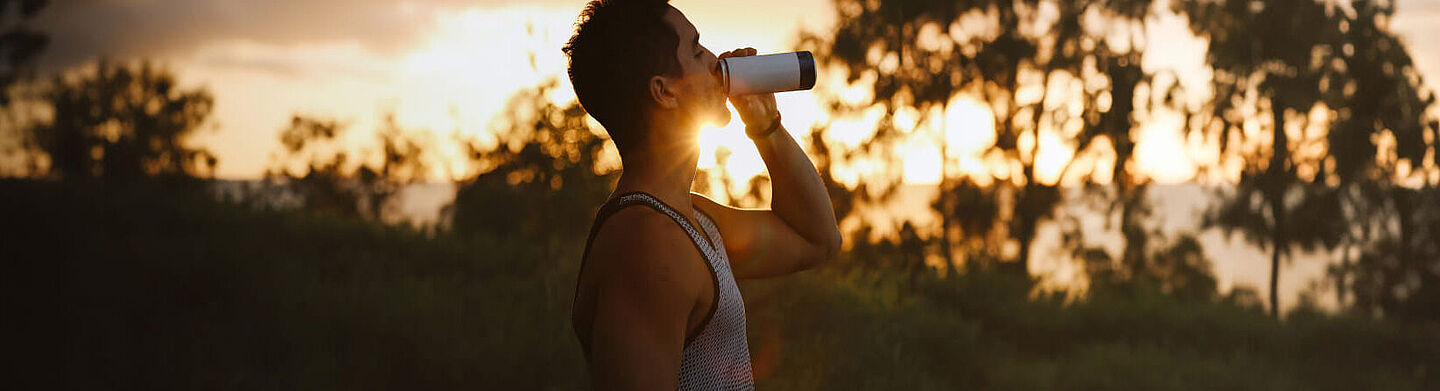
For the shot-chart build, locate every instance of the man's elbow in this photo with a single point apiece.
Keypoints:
(826, 249)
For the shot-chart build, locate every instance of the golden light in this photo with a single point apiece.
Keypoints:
(1054, 154)
(448, 84)
(968, 131)
(800, 111)
(456, 80)
(969, 126)
(922, 161)
(1162, 149)
(850, 132)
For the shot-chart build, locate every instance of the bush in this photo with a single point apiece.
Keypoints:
(147, 286)
(151, 289)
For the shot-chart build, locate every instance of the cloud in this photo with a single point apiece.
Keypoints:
(81, 30)
(295, 62)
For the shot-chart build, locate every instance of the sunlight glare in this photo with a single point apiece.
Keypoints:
(1161, 150)
(921, 161)
(1054, 154)
(969, 126)
(850, 131)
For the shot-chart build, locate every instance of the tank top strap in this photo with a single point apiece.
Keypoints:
(707, 251)
(713, 232)
(614, 205)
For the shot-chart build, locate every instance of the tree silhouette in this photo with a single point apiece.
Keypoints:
(331, 183)
(20, 45)
(123, 122)
(544, 176)
(1178, 266)
(1289, 60)
(1033, 63)
(1395, 224)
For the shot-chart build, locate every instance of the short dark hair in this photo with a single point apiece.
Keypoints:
(617, 47)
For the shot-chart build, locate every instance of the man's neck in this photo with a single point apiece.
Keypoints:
(665, 171)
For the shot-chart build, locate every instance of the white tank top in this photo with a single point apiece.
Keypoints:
(717, 357)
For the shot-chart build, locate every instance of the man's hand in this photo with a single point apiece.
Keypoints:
(756, 110)
(798, 232)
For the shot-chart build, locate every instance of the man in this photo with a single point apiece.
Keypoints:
(656, 305)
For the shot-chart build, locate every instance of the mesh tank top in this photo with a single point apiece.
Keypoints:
(717, 357)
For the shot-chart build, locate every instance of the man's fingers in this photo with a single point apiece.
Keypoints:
(742, 52)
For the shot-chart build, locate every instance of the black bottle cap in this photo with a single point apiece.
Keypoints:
(807, 69)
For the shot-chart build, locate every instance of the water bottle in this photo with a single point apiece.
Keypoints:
(766, 74)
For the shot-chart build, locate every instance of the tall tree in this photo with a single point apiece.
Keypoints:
(1273, 50)
(1039, 66)
(543, 176)
(331, 181)
(1291, 68)
(124, 121)
(1395, 223)
(20, 45)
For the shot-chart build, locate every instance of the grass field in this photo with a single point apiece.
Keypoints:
(159, 287)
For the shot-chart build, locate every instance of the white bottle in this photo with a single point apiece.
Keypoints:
(766, 74)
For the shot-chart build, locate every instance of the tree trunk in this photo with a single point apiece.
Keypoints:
(1132, 229)
(1277, 241)
(1276, 181)
(947, 198)
(1022, 265)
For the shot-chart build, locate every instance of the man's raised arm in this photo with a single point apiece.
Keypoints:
(799, 231)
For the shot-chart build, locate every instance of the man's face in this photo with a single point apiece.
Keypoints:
(701, 98)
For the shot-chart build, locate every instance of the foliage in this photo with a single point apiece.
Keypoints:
(1322, 58)
(152, 290)
(886, 330)
(543, 178)
(331, 183)
(119, 121)
(1039, 66)
(1395, 273)
(20, 45)
(138, 286)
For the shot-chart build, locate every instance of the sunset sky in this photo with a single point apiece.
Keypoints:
(448, 66)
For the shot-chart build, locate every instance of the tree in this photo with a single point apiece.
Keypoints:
(331, 183)
(119, 121)
(20, 45)
(1031, 70)
(1328, 82)
(1273, 50)
(1395, 225)
(544, 176)
(1397, 272)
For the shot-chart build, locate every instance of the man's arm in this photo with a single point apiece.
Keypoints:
(643, 301)
(799, 231)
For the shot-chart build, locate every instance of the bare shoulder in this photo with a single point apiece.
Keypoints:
(641, 250)
(641, 235)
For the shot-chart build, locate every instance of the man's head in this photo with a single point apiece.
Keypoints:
(638, 66)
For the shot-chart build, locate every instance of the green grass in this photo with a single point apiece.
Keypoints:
(150, 287)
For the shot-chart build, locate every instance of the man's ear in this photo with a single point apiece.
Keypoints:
(664, 93)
